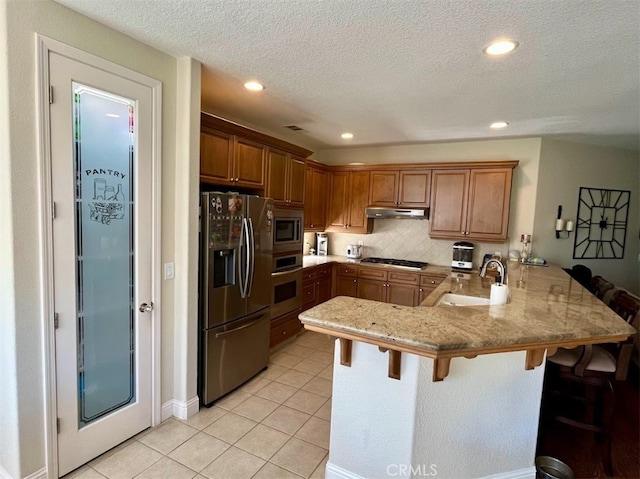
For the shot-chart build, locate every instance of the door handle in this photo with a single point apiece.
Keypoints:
(146, 308)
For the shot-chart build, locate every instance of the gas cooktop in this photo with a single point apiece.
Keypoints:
(400, 263)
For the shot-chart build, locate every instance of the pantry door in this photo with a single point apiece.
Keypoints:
(101, 136)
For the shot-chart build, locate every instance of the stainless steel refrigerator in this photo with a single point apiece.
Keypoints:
(235, 295)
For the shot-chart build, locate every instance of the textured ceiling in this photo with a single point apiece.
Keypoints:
(404, 71)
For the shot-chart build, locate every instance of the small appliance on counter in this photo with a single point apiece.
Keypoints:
(322, 244)
(462, 256)
(354, 251)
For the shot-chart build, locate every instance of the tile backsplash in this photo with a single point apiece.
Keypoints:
(403, 239)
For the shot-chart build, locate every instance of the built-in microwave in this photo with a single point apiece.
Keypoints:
(287, 230)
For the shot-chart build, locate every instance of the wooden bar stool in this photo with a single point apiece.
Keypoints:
(580, 381)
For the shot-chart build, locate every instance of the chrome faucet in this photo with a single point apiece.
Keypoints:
(501, 269)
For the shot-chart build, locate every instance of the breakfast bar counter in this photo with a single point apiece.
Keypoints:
(454, 390)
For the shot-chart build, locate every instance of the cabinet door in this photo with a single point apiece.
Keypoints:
(249, 162)
(338, 199)
(309, 297)
(323, 289)
(489, 200)
(277, 177)
(449, 198)
(346, 286)
(371, 289)
(384, 188)
(216, 156)
(403, 294)
(415, 188)
(358, 200)
(315, 203)
(295, 182)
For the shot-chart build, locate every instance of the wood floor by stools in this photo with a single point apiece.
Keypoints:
(579, 449)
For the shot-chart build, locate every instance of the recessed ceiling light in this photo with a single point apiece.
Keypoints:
(501, 47)
(499, 124)
(347, 136)
(112, 115)
(254, 86)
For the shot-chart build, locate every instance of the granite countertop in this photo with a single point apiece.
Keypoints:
(547, 309)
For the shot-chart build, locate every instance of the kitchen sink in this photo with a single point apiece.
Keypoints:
(452, 299)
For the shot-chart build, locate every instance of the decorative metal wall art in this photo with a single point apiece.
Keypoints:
(602, 223)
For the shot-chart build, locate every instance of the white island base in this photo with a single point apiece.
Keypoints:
(481, 421)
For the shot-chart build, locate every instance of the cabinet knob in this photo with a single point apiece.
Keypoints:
(312, 225)
(355, 280)
(421, 290)
(433, 282)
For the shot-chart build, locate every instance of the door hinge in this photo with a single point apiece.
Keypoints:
(53, 210)
(55, 320)
(50, 94)
(58, 425)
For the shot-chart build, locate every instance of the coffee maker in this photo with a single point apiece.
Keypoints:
(462, 256)
(322, 244)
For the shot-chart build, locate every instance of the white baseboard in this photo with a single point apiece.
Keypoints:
(41, 474)
(335, 472)
(179, 409)
(526, 473)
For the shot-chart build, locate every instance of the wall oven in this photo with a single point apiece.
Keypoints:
(288, 231)
(286, 284)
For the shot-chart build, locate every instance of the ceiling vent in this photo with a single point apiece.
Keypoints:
(294, 128)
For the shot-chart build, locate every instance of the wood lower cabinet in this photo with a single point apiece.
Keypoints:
(470, 203)
(400, 188)
(428, 282)
(348, 198)
(285, 179)
(316, 196)
(346, 280)
(285, 327)
(385, 285)
(316, 285)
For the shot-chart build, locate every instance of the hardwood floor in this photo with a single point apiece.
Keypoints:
(579, 449)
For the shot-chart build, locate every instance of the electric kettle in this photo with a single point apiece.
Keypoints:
(354, 251)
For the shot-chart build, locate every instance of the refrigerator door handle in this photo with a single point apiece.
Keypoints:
(244, 326)
(242, 248)
(248, 256)
(252, 259)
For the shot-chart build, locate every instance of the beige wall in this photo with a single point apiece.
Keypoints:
(564, 168)
(21, 355)
(525, 178)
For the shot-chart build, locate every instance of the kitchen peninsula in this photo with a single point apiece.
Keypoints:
(449, 390)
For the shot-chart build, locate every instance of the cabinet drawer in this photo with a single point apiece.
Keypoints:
(405, 278)
(308, 295)
(285, 329)
(347, 271)
(308, 274)
(323, 271)
(431, 280)
(372, 273)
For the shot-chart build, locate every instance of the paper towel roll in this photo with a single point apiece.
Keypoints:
(559, 225)
(499, 294)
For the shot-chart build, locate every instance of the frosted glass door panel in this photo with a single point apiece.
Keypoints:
(104, 137)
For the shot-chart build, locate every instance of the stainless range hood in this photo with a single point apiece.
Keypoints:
(382, 212)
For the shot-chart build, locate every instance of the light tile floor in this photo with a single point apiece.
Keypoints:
(274, 427)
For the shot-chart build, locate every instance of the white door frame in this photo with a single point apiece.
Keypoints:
(44, 45)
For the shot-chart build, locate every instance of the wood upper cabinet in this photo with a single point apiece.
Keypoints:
(403, 188)
(348, 198)
(315, 202)
(286, 178)
(230, 160)
(470, 203)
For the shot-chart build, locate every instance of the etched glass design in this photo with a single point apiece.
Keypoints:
(104, 139)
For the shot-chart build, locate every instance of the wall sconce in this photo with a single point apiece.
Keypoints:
(563, 225)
